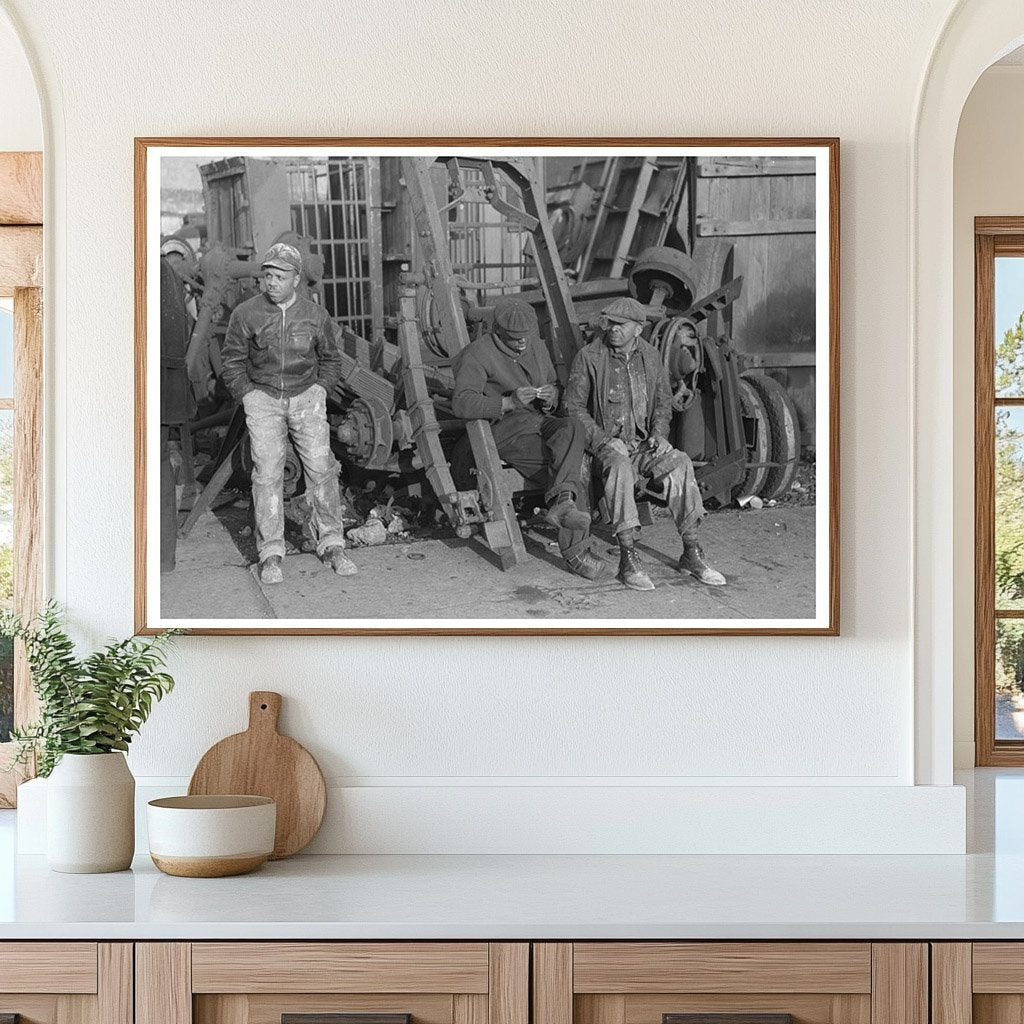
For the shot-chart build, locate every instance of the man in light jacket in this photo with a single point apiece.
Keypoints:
(280, 360)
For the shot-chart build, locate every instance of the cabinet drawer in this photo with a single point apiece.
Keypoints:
(66, 982)
(730, 983)
(332, 983)
(66, 967)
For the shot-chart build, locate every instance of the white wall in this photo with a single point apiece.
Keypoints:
(468, 711)
(987, 182)
(21, 126)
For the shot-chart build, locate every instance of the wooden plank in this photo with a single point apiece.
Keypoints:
(76, 1010)
(722, 967)
(899, 992)
(163, 983)
(951, 983)
(999, 225)
(508, 993)
(339, 967)
(21, 188)
(28, 483)
(984, 502)
(998, 967)
(115, 983)
(267, 1008)
(552, 983)
(603, 1009)
(65, 967)
(467, 1009)
(31, 1009)
(757, 227)
(757, 167)
(21, 259)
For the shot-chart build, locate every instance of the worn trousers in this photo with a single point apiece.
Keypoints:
(620, 475)
(270, 420)
(548, 448)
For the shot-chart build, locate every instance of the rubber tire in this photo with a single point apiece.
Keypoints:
(752, 406)
(785, 433)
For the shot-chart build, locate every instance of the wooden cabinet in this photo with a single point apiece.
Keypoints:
(66, 982)
(979, 982)
(264, 982)
(656, 982)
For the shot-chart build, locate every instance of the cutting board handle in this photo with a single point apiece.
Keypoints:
(264, 710)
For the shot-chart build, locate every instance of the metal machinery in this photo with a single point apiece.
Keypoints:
(391, 410)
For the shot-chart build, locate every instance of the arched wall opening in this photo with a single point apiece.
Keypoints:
(976, 35)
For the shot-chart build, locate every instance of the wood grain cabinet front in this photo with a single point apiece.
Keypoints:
(66, 982)
(978, 983)
(730, 983)
(332, 983)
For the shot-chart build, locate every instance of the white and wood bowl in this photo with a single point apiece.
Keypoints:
(211, 836)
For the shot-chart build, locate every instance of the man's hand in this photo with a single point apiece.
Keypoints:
(548, 395)
(659, 445)
(524, 396)
(616, 445)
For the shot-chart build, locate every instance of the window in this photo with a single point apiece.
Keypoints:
(999, 490)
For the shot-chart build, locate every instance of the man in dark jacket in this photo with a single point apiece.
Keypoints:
(280, 360)
(507, 377)
(619, 389)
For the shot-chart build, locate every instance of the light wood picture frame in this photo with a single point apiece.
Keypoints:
(409, 245)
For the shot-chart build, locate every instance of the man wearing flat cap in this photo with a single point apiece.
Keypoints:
(280, 360)
(507, 377)
(619, 389)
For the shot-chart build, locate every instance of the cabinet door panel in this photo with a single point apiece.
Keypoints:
(634, 967)
(67, 967)
(219, 967)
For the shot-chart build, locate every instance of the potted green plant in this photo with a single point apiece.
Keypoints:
(89, 710)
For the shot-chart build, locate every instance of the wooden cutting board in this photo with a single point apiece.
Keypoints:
(262, 762)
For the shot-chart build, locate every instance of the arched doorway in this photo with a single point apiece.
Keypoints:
(976, 34)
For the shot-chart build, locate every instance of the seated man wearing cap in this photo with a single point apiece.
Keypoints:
(280, 360)
(507, 377)
(619, 389)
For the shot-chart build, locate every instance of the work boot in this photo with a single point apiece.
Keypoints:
(692, 561)
(269, 570)
(565, 515)
(587, 564)
(631, 570)
(335, 557)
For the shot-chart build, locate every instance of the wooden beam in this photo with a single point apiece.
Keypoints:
(21, 188)
(743, 228)
(21, 259)
(28, 483)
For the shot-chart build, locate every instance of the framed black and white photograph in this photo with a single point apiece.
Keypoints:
(499, 386)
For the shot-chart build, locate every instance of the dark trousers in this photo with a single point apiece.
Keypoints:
(547, 448)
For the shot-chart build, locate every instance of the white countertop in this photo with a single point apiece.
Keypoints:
(517, 897)
(976, 896)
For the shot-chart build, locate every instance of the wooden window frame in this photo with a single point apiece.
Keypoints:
(21, 278)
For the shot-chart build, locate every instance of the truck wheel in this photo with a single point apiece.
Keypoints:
(785, 434)
(759, 452)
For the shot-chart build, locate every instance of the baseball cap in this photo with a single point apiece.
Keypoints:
(284, 257)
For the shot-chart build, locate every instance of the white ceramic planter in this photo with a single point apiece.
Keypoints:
(90, 814)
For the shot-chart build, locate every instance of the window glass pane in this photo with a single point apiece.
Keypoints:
(1009, 679)
(1009, 319)
(6, 567)
(1009, 532)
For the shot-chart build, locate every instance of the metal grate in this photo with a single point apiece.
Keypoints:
(484, 249)
(336, 202)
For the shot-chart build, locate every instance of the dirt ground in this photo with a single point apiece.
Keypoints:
(767, 556)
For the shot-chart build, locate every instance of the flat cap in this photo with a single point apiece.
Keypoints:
(284, 257)
(624, 310)
(515, 317)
